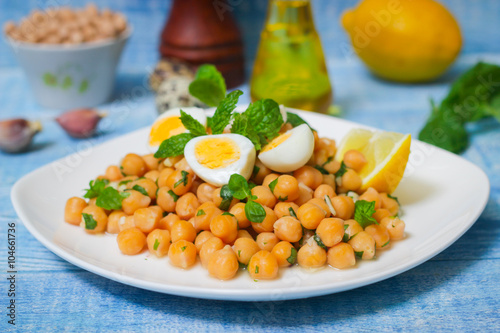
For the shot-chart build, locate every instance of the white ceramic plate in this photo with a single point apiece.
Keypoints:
(442, 196)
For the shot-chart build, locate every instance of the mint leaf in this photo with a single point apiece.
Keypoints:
(359, 254)
(272, 184)
(363, 211)
(200, 212)
(227, 213)
(393, 198)
(95, 188)
(227, 197)
(192, 125)
(255, 212)
(140, 189)
(208, 86)
(341, 171)
(295, 120)
(222, 115)
(173, 195)
(124, 182)
(111, 198)
(319, 242)
(265, 118)
(293, 256)
(183, 180)
(238, 186)
(241, 126)
(90, 222)
(173, 146)
(321, 169)
(292, 212)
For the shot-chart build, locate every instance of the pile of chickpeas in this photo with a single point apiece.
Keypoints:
(180, 217)
(67, 26)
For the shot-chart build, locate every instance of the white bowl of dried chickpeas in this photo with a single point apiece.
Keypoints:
(69, 55)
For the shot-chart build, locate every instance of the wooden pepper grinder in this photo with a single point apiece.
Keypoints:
(204, 31)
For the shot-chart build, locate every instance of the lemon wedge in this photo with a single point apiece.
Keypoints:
(386, 154)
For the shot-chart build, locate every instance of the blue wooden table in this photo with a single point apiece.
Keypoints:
(458, 290)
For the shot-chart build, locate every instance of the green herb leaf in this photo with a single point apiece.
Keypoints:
(173, 146)
(140, 189)
(359, 254)
(386, 243)
(265, 118)
(328, 160)
(208, 86)
(192, 125)
(255, 171)
(227, 213)
(272, 184)
(183, 180)
(227, 197)
(319, 242)
(223, 113)
(393, 198)
(90, 223)
(111, 198)
(164, 214)
(124, 182)
(293, 256)
(183, 248)
(241, 265)
(173, 195)
(156, 244)
(341, 171)
(67, 82)
(200, 212)
(292, 212)
(363, 211)
(321, 169)
(96, 187)
(255, 212)
(295, 120)
(50, 79)
(242, 126)
(256, 269)
(238, 186)
(84, 85)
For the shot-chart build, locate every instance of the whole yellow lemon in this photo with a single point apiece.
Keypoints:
(404, 40)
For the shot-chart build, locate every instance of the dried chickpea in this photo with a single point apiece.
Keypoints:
(99, 216)
(113, 173)
(204, 215)
(285, 209)
(268, 224)
(305, 194)
(285, 254)
(264, 196)
(351, 181)
(266, 240)
(245, 248)
(204, 192)
(131, 241)
(394, 226)
(147, 219)
(353, 227)
(379, 234)
(354, 159)
(371, 194)
(308, 176)
(225, 227)
(310, 215)
(217, 200)
(223, 264)
(208, 248)
(344, 207)
(238, 211)
(380, 214)
(263, 265)
(389, 203)
(158, 242)
(288, 229)
(180, 181)
(286, 189)
(341, 256)
(201, 238)
(182, 254)
(73, 210)
(182, 230)
(167, 221)
(331, 231)
(113, 226)
(260, 172)
(133, 164)
(153, 175)
(164, 174)
(311, 255)
(364, 244)
(186, 206)
(269, 179)
(135, 201)
(151, 161)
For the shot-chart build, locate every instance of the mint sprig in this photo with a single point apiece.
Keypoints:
(223, 113)
(208, 86)
(192, 125)
(111, 199)
(173, 146)
(363, 213)
(95, 188)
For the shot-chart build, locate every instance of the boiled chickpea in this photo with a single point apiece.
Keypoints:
(288, 228)
(147, 219)
(287, 188)
(186, 206)
(341, 256)
(182, 230)
(182, 164)
(131, 241)
(379, 234)
(322, 204)
(73, 210)
(395, 227)
(113, 173)
(126, 222)
(133, 164)
(113, 221)
(364, 244)
(332, 166)
(208, 248)
(269, 179)
(167, 199)
(355, 160)
(283, 209)
(264, 196)
(268, 224)
(223, 264)
(204, 215)
(245, 248)
(201, 238)
(353, 227)
(308, 176)
(285, 254)
(99, 216)
(351, 181)
(344, 207)
(180, 181)
(266, 240)
(380, 214)
(389, 203)
(324, 190)
(311, 255)
(147, 184)
(305, 194)
(217, 200)
(320, 157)
(371, 194)
(164, 174)
(135, 201)
(260, 172)
(331, 231)
(182, 254)
(242, 233)
(204, 192)
(196, 183)
(167, 221)
(263, 265)
(328, 145)
(158, 242)
(310, 215)
(330, 180)
(151, 161)
(225, 227)
(238, 211)
(153, 175)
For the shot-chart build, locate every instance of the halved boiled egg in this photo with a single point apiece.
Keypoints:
(214, 158)
(289, 151)
(169, 124)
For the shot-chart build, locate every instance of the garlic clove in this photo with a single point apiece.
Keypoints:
(80, 123)
(16, 134)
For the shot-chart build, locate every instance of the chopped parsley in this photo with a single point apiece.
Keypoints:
(293, 256)
(183, 248)
(341, 171)
(156, 244)
(256, 269)
(173, 195)
(319, 242)
(200, 212)
(227, 213)
(321, 169)
(292, 212)
(272, 184)
(183, 180)
(140, 189)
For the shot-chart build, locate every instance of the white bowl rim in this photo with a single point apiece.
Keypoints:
(69, 47)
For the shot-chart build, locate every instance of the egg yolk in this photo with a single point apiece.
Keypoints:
(276, 142)
(165, 128)
(217, 153)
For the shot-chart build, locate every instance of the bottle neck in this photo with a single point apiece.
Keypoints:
(295, 16)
